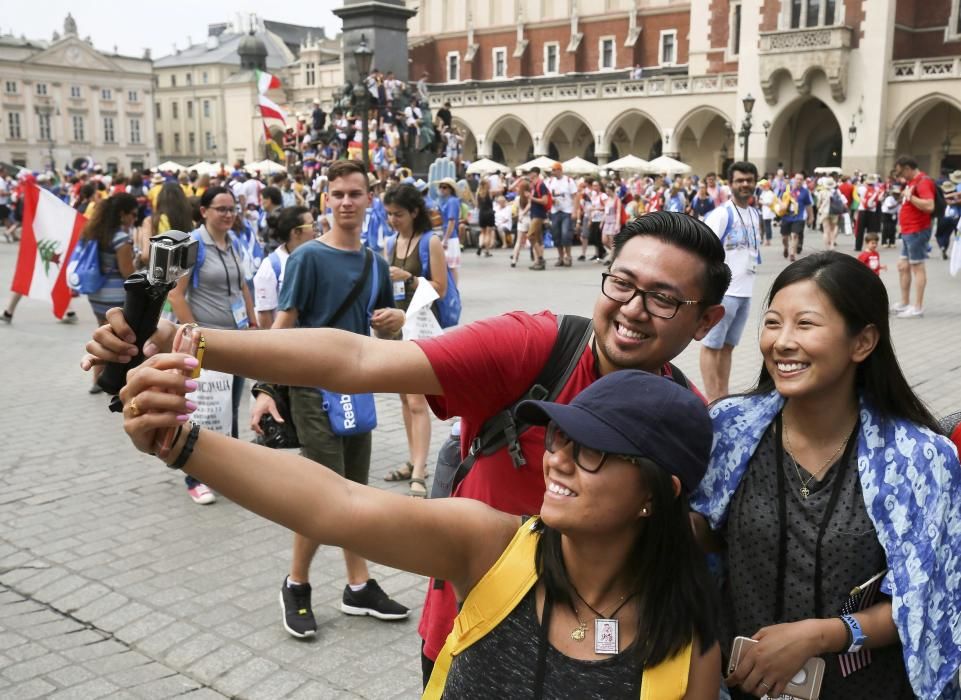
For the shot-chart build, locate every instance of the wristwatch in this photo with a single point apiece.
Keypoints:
(855, 635)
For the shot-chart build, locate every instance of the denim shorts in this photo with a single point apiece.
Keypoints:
(914, 246)
(561, 228)
(729, 329)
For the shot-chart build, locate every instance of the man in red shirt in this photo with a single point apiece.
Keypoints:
(917, 207)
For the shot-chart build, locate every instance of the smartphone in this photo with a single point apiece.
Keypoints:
(806, 684)
(187, 341)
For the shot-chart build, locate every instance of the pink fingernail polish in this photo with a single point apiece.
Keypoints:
(190, 384)
(191, 362)
(191, 407)
(183, 418)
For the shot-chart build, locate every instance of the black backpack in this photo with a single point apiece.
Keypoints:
(940, 203)
(504, 429)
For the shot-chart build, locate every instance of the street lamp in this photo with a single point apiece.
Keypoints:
(748, 103)
(852, 131)
(362, 58)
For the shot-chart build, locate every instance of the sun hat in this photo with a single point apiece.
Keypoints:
(956, 177)
(449, 181)
(948, 187)
(635, 414)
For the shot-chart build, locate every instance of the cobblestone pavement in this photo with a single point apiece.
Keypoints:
(112, 583)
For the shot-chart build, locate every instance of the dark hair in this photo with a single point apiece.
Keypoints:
(273, 194)
(174, 203)
(688, 233)
(742, 166)
(407, 197)
(860, 297)
(871, 237)
(676, 598)
(88, 190)
(906, 161)
(211, 193)
(287, 221)
(345, 168)
(105, 221)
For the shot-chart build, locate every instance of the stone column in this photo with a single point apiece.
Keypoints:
(384, 25)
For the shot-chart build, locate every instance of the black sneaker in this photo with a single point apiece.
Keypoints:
(371, 600)
(7, 317)
(298, 617)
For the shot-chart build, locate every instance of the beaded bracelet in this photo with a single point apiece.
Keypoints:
(187, 449)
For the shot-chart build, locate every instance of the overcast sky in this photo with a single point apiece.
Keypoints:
(134, 26)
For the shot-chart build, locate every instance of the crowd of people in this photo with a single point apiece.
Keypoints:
(831, 464)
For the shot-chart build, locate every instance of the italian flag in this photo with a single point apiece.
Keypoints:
(51, 229)
(266, 81)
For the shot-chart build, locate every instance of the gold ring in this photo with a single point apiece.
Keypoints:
(134, 409)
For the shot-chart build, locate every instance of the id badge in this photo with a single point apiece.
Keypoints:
(239, 310)
(399, 291)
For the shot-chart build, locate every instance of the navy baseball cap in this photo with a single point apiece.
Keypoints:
(636, 414)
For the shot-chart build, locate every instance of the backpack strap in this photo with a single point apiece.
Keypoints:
(423, 250)
(275, 264)
(668, 680)
(491, 600)
(201, 255)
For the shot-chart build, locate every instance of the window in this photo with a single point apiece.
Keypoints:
(134, 131)
(813, 10)
(551, 53)
(796, 7)
(13, 125)
(160, 142)
(735, 25)
(812, 13)
(206, 108)
(106, 94)
(174, 110)
(190, 109)
(191, 142)
(78, 134)
(173, 81)
(43, 120)
(208, 141)
(10, 87)
(499, 62)
(190, 79)
(203, 77)
(606, 59)
(108, 133)
(453, 66)
(669, 47)
(156, 110)
(310, 77)
(177, 143)
(76, 92)
(41, 88)
(132, 96)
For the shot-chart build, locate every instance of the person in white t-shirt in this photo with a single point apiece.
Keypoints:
(766, 200)
(563, 190)
(738, 224)
(250, 190)
(295, 226)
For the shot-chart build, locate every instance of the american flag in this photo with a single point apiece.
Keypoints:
(861, 597)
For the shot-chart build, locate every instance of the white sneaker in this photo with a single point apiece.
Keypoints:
(911, 312)
(201, 494)
(898, 308)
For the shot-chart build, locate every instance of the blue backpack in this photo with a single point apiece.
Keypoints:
(202, 253)
(83, 272)
(448, 306)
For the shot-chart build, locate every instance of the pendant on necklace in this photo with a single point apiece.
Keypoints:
(580, 632)
(805, 492)
(605, 636)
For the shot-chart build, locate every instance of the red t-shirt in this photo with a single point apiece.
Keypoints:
(483, 368)
(872, 260)
(913, 219)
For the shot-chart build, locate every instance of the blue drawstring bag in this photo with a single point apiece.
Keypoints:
(350, 414)
(83, 272)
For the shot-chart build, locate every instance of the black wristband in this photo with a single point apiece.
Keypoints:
(188, 448)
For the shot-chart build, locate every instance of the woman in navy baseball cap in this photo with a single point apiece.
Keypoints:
(605, 595)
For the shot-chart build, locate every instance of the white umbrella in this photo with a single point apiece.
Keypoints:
(265, 167)
(668, 165)
(579, 166)
(168, 166)
(542, 162)
(628, 164)
(827, 170)
(485, 166)
(205, 168)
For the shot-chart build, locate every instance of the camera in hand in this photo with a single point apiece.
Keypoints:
(172, 256)
(278, 436)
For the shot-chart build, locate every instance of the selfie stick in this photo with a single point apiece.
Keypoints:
(142, 306)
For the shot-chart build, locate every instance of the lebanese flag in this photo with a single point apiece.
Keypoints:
(266, 81)
(51, 229)
(270, 109)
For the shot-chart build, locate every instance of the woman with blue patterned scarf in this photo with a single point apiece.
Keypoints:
(831, 472)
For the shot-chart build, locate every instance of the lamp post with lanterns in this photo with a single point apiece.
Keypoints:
(362, 58)
(745, 132)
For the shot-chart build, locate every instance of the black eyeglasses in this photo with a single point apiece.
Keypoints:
(656, 304)
(588, 459)
(224, 211)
